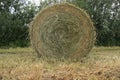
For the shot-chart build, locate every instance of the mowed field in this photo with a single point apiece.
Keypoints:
(103, 63)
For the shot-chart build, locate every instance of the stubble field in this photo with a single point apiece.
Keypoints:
(103, 63)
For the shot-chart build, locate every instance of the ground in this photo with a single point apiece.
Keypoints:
(103, 63)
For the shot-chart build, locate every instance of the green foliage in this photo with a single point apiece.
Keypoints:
(16, 14)
(14, 18)
(106, 18)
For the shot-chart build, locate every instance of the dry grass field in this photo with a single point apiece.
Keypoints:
(103, 63)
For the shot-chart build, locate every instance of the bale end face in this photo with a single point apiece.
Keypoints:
(62, 30)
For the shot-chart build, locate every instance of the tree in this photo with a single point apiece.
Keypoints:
(106, 17)
(15, 15)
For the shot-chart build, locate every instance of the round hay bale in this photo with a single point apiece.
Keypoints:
(62, 30)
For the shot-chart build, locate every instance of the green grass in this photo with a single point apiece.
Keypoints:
(103, 63)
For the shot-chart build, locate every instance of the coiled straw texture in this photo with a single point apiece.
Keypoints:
(62, 30)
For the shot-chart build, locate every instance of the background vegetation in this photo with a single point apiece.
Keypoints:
(15, 16)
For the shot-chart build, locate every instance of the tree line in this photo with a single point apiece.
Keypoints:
(15, 16)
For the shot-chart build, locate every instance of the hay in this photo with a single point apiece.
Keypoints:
(62, 30)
